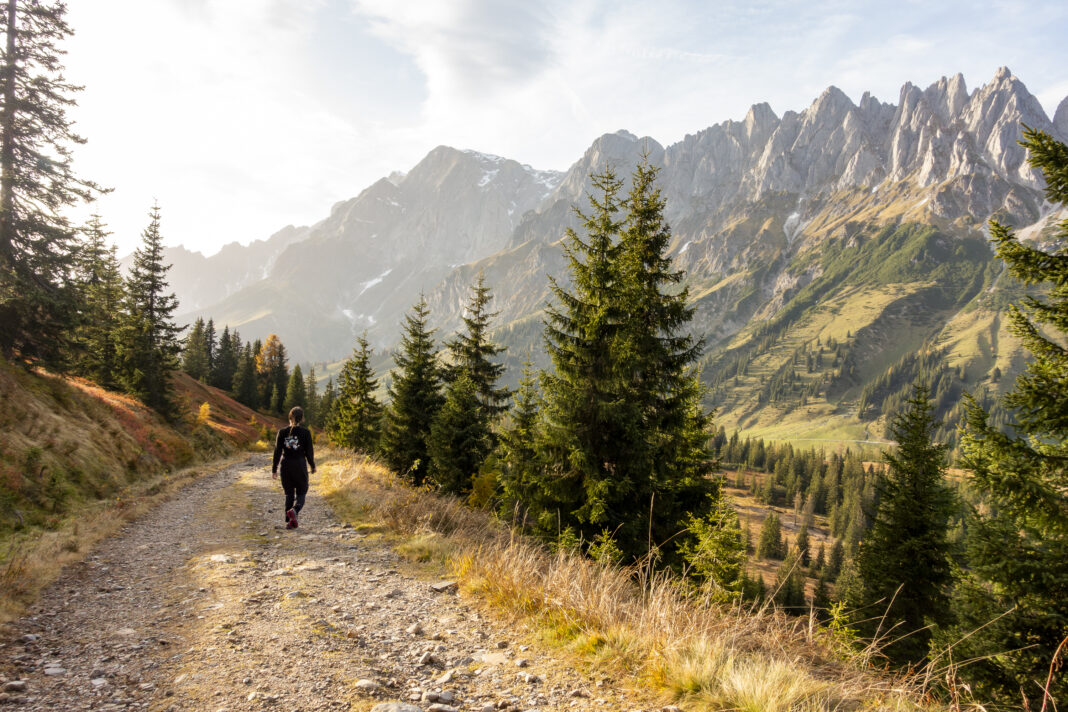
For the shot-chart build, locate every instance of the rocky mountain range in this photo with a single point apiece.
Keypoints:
(764, 212)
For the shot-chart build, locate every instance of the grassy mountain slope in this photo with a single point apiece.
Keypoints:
(76, 461)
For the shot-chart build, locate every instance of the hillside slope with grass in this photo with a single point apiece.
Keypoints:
(75, 459)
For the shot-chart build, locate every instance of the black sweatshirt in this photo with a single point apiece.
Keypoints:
(293, 446)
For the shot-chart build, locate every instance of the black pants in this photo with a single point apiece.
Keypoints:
(295, 485)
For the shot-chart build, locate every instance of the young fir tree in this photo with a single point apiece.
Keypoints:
(226, 360)
(520, 483)
(149, 338)
(472, 352)
(1017, 546)
(715, 552)
(246, 389)
(328, 406)
(459, 440)
(194, 352)
(770, 544)
(904, 559)
(210, 348)
(272, 373)
(790, 584)
(311, 399)
(356, 422)
(37, 183)
(802, 545)
(415, 397)
(101, 301)
(296, 395)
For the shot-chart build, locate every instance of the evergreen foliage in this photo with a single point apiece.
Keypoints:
(415, 397)
(790, 583)
(771, 544)
(356, 422)
(521, 486)
(226, 360)
(311, 399)
(195, 352)
(904, 560)
(459, 437)
(101, 298)
(471, 352)
(715, 552)
(37, 243)
(149, 338)
(245, 388)
(296, 395)
(1017, 546)
(272, 373)
(623, 433)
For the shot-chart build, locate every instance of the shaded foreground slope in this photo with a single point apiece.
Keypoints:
(77, 460)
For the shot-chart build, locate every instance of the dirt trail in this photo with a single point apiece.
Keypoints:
(209, 603)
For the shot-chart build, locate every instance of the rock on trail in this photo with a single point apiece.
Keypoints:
(208, 603)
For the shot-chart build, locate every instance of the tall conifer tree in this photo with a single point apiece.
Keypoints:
(194, 352)
(904, 559)
(37, 243)
(149, 341)
(521, 484)
(415, 397)
(459, 438)
(102, 295)
(295, 393)
(311, 399)
(1018, 541)
(356, 422)
(472, 352)
(222, 375)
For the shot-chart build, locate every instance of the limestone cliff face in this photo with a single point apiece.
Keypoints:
(744, 198)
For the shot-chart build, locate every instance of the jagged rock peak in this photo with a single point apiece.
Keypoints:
(1060, 120)
(833, 100)
(947, 97)
(760, 119)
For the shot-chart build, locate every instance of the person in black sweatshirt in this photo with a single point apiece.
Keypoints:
(293, 449)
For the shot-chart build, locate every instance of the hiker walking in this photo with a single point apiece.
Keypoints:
(293, 449)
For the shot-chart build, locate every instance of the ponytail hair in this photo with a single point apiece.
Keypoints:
(296, 415)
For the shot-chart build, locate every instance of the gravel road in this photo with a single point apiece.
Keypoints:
(208, 603)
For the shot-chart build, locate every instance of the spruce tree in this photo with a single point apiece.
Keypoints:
(521, 486)
(624, 433)
(210, 348)
(246, 389)
(328, 406)
(770, 544)
(194, 352)
(583, 439)
(790, 584)
(311, 399)
(1017, 546)
(904, 560)
(226, 360)
(296, 395)
(101, 298)
(802, 545)
(356, 422)
(471, 352)
(272, 373)
(415, 397)
(657, 356)
(37, 242)
(459, 437)
(149, 338)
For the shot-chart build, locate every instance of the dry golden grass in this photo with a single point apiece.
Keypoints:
(642, 624)
(34, 559)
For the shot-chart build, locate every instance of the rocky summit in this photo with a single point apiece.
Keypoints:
(787, 228)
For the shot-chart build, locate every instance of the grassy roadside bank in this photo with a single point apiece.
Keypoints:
(77, 462)
(643, 627)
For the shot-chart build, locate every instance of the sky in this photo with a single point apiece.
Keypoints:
(240, 117)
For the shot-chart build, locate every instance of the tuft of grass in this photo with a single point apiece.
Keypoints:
(640, 622)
